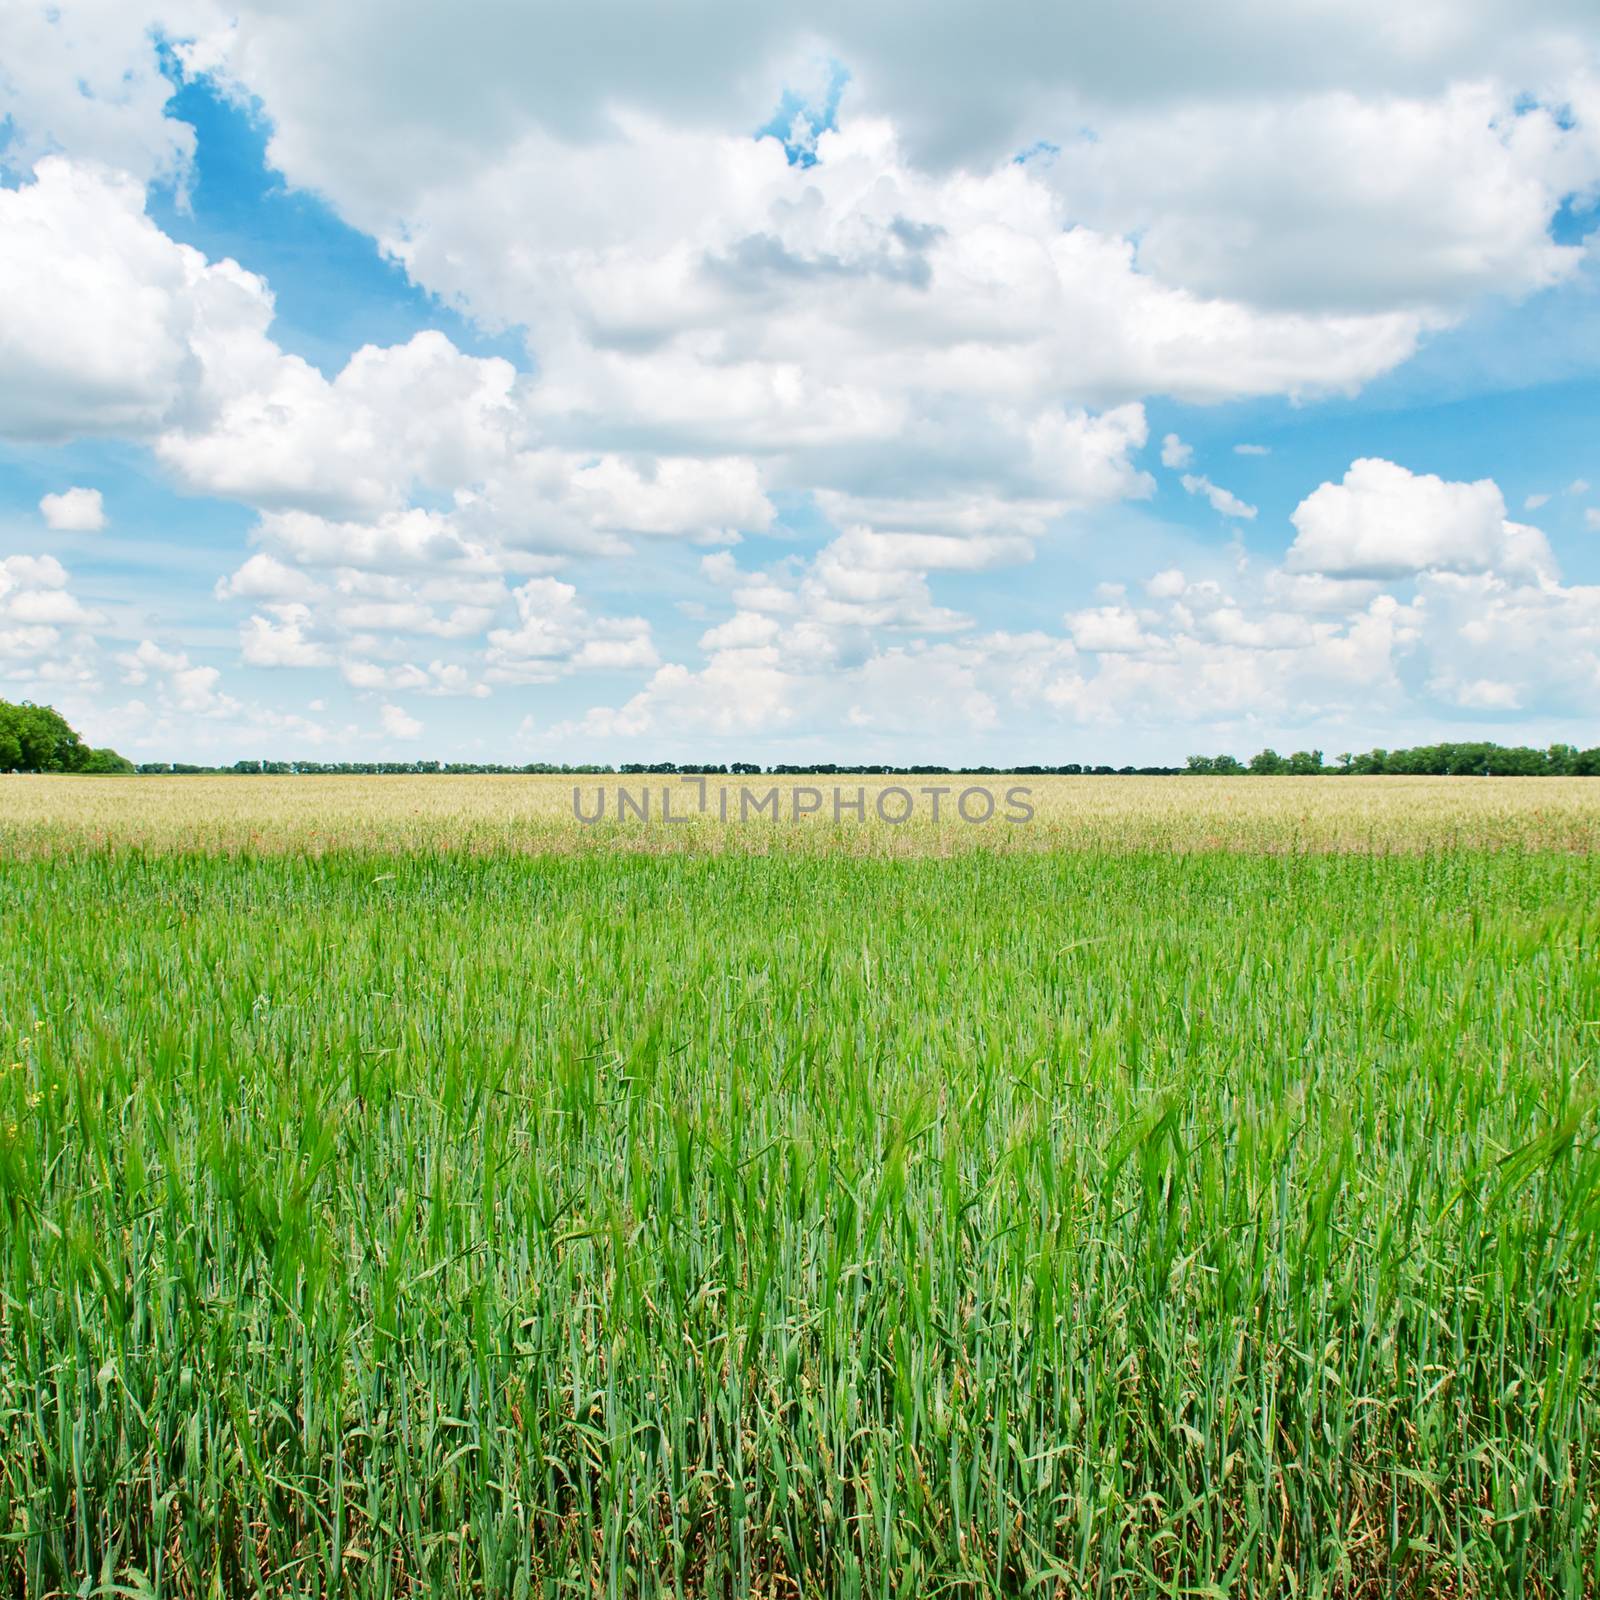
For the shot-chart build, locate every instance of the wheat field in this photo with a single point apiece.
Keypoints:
(407, 1190)
(536, 815)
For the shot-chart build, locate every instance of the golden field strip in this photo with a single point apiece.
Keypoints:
(480, 813)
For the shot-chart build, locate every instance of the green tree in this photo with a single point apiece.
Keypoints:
(1268, 762)
(39, 739)
(107, 761)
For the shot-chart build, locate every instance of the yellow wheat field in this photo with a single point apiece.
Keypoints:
(44, 815)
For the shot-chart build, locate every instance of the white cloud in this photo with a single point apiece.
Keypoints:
(1175, 453)
(410, 616)
(105, 323)
(1220, 499)
(1111, 629)
(45, 644)
(924, 552)
(283, 639)
(722, 296)
(437, 678)
(1541, 639)
(1591, 518)
(1480, 694)
(74, 510)
(743, 631)
(706, 335)
(1384, 521)
(1534, 501)
(1252, 450)
(84, 76)
(398, 723)
(711, 500)
(374, 114)
(738, 692)
(1275, 203)
(1316, 592)
(263, 577)
(414, 540)
(280, 435)
(1282, 651)
(185, 688)
(557, 635)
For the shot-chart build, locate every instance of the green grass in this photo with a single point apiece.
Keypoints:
(1062, 1224)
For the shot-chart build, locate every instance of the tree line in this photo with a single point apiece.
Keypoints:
(1477, 759)
(1471, 759)
(37, 738)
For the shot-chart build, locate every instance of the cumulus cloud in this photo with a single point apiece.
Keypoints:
(33, 591)
(186, 688)
(726, 296)
(1274, 203)
(277, 434)
(86, 76)
(1175, 453)
(44, 637)
(74, 511)
(1109, 629)
(373, 113)
(744, 630)
(737, 692)
(556, 635)
(413, 540)
(263, 577)
(1384, 521)
(105, 323)
(437, 678)
(398, 723)
(284, 638)
(1265, 649)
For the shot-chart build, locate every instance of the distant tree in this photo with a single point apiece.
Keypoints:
(1214, 766)
(1306, 763)
(107, 761)
(1268, 762)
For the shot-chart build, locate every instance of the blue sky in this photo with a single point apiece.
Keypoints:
(372, 392)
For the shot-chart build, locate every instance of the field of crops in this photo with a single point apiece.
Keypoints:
(407, 1190)
(535, 815)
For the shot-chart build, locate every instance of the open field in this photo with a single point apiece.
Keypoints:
(535, 814)
(1116, 1219)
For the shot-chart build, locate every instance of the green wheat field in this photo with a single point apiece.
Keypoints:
(406, 1191)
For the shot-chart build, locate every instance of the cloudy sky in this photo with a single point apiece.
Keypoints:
(509, 381)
